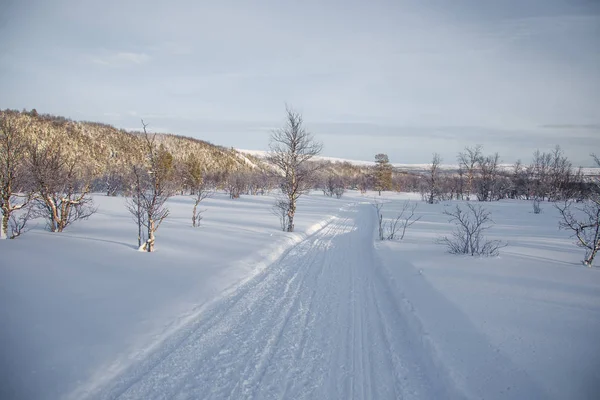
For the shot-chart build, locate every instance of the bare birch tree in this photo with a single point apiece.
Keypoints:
(487, 183)
(468, 160)
(433, 178)
(200, 193)
(61, 186)
(13, 151)
(156, 187)
(292, 147)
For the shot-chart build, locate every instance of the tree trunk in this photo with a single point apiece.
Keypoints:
(291, 212)
(50, 202)
(470, 184)
(150, 242)
(4, 228)
(139, 221)
(590, 259)
(194, 215)
(62, 221)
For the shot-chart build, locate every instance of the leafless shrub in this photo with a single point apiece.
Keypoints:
(390, 229)
(467, 237)
(364, 182)
(280, 209)
(113, 183)
(402, 222)
(339, 192)
(19, 225)
(236, 185)
(201, 192)
(378, 208)
(334, 186)
(583, 219)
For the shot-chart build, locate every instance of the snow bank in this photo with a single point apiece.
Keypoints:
(522, 325)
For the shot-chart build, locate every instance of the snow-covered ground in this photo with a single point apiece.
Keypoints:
(239, 309)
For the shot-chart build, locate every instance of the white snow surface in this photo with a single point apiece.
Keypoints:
(237, 309)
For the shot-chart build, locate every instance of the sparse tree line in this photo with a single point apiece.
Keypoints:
(549, 177)
(49, 169)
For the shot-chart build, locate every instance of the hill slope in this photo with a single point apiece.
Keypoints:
(104, 147)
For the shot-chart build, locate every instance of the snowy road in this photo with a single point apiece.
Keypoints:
(319, 323)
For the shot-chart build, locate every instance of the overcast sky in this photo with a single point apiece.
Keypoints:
(403, 77)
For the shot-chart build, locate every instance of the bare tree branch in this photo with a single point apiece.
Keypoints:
(13, 174)
(61, 184)
(388, 230)
(467, 237)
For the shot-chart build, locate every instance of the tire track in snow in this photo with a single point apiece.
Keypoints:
(318, 323)
(305, 324)
(263, 298)
(267, 335)
(205, 324)
(270, 348)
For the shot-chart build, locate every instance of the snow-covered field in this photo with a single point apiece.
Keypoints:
(238, 309)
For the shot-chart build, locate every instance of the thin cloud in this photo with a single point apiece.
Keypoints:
(120, 59)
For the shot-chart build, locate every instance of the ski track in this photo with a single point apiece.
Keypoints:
(321, 322)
